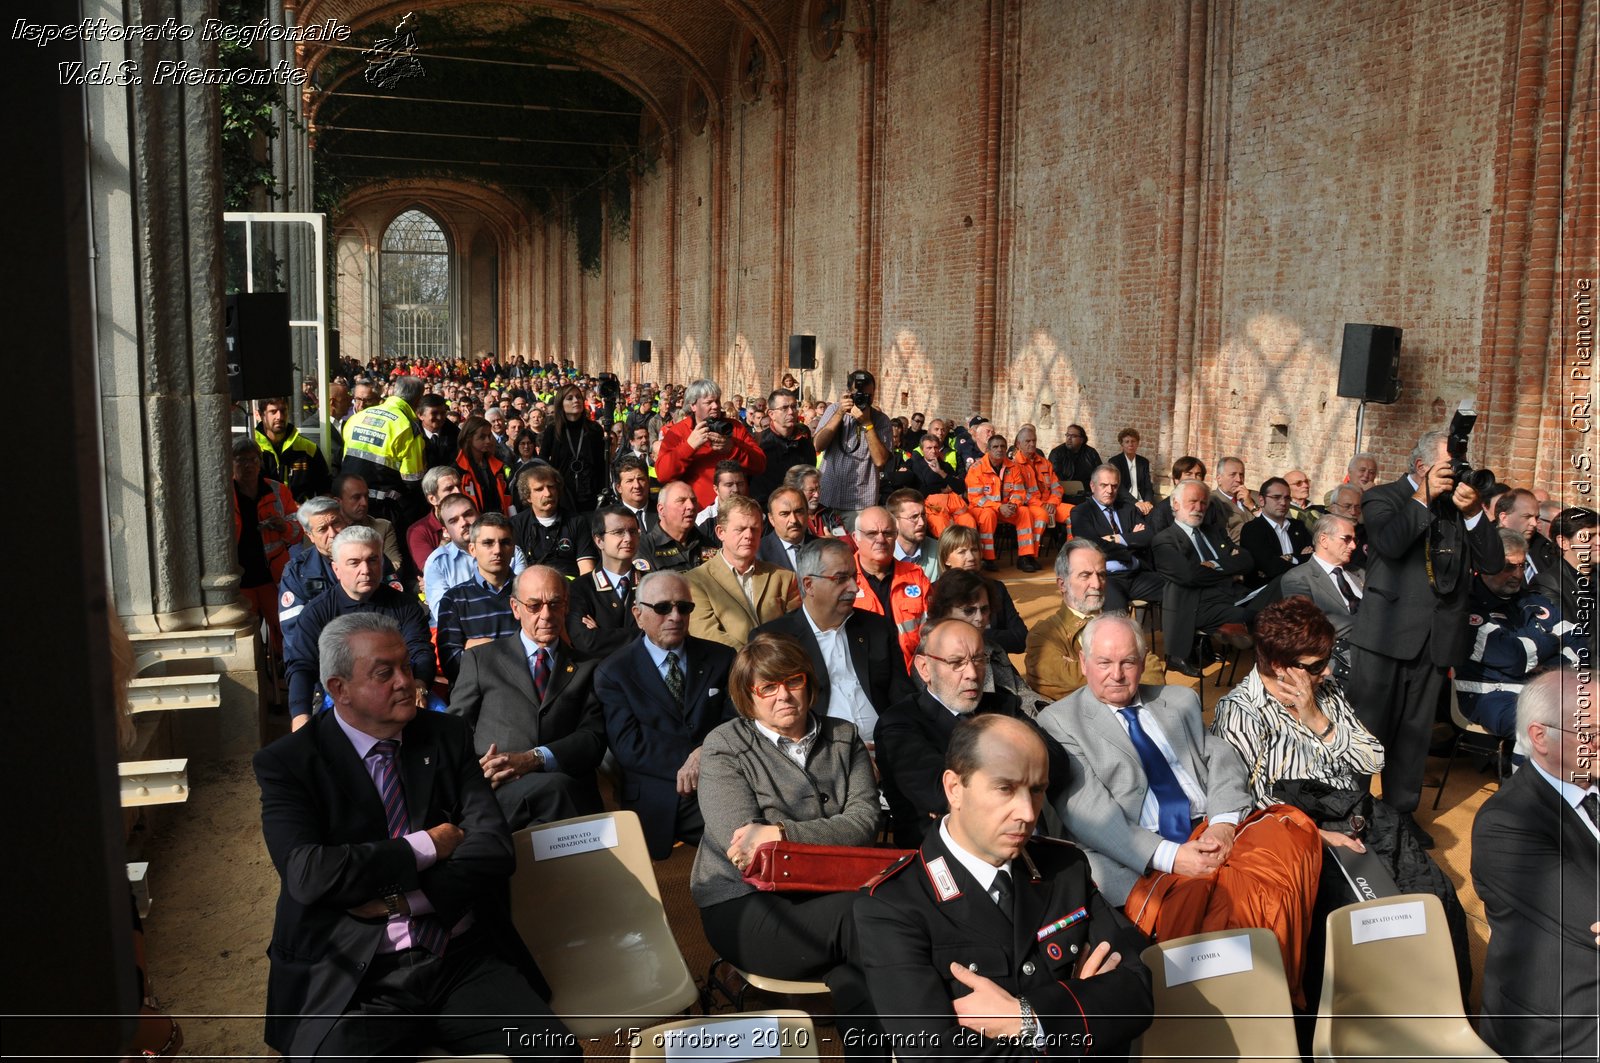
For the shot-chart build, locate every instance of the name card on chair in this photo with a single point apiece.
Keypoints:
(1404, 920)
(570, 839)
(1207, 959)
(758, 1037)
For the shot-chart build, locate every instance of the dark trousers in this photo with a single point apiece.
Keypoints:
(797, 937)
(463, 1002)
(1395, 701)
(1124, 588)
(1186, 610)
(545, 797)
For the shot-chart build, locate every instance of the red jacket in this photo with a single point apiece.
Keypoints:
(275, 501)
(698, 468)
(908, 602)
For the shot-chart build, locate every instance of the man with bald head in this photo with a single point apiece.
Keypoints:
(1157, 803)
(530, 701)
(675, 544)
(914, 735)
(662, 694)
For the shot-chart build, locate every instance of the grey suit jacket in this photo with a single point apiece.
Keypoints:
(1107, 786)
(494, 694)
(1311, 580)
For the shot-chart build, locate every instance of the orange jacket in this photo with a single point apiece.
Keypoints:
(275, 501)
(491, 496)
(908, 602)
(987, 488)
(1038, 477)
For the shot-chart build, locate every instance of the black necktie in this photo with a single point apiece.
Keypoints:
(625, 588)
(1112, 517)
(1003, 891)
(1591, 807)
(1203, 545)
(1350, 598)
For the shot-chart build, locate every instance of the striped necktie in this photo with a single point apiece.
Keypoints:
(426, 930)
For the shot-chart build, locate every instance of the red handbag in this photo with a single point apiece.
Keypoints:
(794, 867)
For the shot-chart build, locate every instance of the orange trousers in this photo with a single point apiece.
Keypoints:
(944, 509)
(1269, 880)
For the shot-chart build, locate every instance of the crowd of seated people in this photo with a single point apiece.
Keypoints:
(783, 620)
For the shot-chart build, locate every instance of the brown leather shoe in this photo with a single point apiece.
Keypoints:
(1235, 635)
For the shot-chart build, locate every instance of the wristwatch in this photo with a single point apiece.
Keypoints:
(538, 760)
(392, 901)
(1030, 1022)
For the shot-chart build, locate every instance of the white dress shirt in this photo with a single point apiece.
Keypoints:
(848, 700)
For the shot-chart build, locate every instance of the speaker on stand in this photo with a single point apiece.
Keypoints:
(1369, 368)
(802, 356)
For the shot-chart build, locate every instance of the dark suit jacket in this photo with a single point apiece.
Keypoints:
(1561, 584)
(594, 596)
(494, 694)
(1262, 542)
(1070, 466)
(772, 550)
(912, 739)
(1189, 583)
(328, 838)
(1401, 615)
(909, 932)
(1543, 553)
(874, 650)
(1140, 475)
(1089, 522)
(651, 735)
(1534, 865)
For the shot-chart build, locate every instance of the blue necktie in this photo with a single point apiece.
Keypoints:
(1174, 817)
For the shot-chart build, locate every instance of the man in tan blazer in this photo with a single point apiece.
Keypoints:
(734, 593)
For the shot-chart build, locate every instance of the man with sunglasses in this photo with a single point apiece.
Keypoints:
(914, 735)
(662, 694)
(530, 701)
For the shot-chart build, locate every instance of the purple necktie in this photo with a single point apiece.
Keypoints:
(426, 930)
(541, 673)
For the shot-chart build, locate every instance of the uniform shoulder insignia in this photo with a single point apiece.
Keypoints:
(642, 564)
(889, 872)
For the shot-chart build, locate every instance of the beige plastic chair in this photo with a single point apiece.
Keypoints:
(793, 1038)
(595, 925)
(1393, 998)
(716, 982)
(1244, 1016)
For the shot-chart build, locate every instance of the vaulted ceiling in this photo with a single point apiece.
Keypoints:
(546, 100)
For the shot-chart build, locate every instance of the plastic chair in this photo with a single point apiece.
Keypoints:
(596, 927)
(1392, 997)
(1465, 727)
(774, 986)
(792, 1036)
(1244, 1015)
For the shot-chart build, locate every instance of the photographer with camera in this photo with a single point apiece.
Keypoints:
(853, 439)
(1427, 533)
(691, 448)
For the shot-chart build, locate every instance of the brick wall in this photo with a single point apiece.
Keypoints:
(1136, 213)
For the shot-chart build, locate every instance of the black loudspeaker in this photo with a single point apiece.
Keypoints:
(260, 356)
(1369, 364)
(802, 352)
(641, 351)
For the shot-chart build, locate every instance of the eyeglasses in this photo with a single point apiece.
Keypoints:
(794, 684)
(1312, 667)
(833, 577)
(1343, 538)
(536, 605)
(663, 608)
(780, 409)
(959, 664)
(632, 530)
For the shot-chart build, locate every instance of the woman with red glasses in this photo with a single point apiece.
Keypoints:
(779, 771)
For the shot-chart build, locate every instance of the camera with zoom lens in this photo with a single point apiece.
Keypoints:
(720, 425)
(610, 387)
(1480, 480)
(858, 383)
